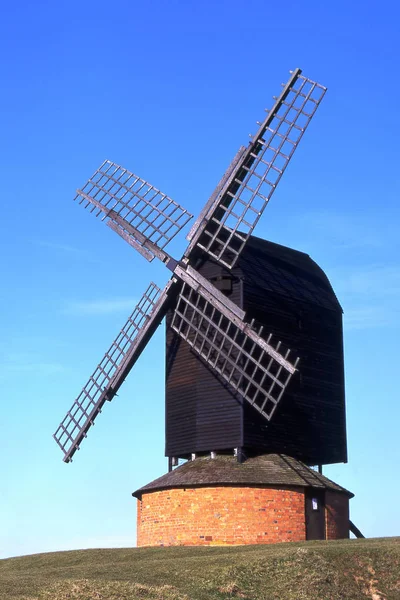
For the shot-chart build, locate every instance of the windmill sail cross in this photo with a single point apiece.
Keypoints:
(215, 327)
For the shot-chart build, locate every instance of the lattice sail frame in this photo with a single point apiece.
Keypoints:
(255, 173)
(133, 205)
(110, 373)
(252, 367)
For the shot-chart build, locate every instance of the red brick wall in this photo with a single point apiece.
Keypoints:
(220, 515)
(336, 515)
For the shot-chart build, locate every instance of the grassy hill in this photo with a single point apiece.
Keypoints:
(346, 569)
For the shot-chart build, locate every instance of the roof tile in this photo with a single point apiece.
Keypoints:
(264, 470)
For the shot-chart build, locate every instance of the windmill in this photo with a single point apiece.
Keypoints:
(252, 370)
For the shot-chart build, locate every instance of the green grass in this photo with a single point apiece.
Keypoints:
(346, 569)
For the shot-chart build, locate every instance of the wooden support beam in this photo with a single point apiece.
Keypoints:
(355, 531)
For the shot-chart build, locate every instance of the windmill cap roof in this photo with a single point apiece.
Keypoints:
(287, 272)
(264, 470)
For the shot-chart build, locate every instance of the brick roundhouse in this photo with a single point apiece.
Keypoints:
(218, 501)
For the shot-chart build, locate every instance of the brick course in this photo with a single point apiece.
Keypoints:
(220, 516)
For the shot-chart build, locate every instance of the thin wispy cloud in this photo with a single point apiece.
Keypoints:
(42, 368)
(30, 368)
(368, 317)
(66, 249)
(367, 280)
(347, 231)
(99, 307)
(369, 294)
(57, 246)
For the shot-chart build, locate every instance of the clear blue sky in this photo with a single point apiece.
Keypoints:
(170, 90)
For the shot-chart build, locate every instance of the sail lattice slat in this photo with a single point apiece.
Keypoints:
(240, 205)
(236, 356)
(113, 190)
(107, 377)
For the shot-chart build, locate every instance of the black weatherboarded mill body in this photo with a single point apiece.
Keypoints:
(285, 291)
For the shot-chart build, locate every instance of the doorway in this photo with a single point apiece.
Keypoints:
(315, 514)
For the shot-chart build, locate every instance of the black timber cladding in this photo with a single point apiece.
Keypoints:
(286, 291)
(201, 413)
(291, 296)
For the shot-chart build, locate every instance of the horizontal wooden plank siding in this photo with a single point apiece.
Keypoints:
(286, 292)
(309, 423)
(201, 413)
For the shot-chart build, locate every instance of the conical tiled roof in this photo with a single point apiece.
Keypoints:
(264, 470)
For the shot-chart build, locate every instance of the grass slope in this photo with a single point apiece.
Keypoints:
(346, 569)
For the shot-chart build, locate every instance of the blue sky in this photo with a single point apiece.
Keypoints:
(170, 91)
